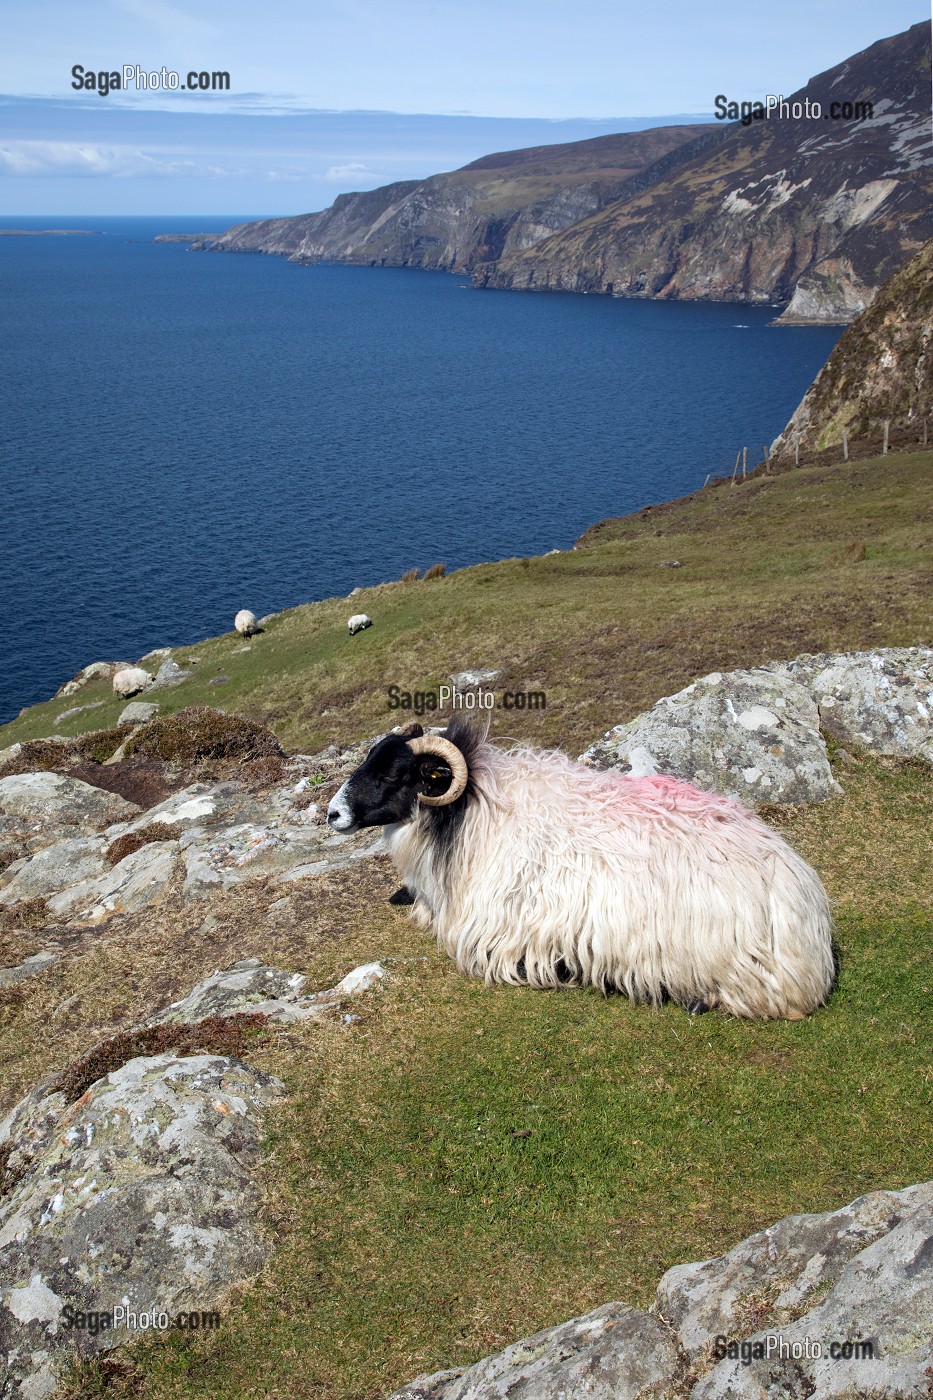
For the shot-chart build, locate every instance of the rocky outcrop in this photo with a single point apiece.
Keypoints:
(880, 371)
(878, 700)
(838, 1304)
(746, 734)
(250, 986)
(223, 835)
(137, 1199)
(756, 735)
(814, 212)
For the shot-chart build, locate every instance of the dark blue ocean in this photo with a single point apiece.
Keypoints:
(185, 434)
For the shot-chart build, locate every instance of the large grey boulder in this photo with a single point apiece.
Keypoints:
(880, 700)
(56, 868)
(168, 675)
(140, 1197)
(614, 1353)
(137, 712)
(877, 1315)
(753, 734)
(761, 1322)
(793, 1263)
(46, 802)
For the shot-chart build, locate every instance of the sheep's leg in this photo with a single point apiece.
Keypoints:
(698, 1007)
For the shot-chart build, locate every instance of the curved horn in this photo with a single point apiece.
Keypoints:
(443, 748)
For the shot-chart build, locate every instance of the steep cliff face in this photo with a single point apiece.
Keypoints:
(880, 370)
(498, 205)
(814, 212)
(809, 213)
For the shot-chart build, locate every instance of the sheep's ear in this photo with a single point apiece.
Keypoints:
(434, 775)
(409, 731)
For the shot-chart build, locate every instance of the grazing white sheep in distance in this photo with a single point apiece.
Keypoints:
(357, 622)
(245, 623)
(534, 869)
(131, 680)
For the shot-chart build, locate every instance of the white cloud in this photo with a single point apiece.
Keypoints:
(85, 158)
(352, 171)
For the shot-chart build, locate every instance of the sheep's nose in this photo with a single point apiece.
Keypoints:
(332, 815)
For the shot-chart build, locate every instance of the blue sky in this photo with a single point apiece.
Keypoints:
(328, 95)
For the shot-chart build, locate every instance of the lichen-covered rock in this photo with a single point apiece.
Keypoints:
(198, 804)
(218, 859)
(789, 1265)
(811, 1284)
(51, 800)
(880, 700)
(614, 1353)
(140, 1196)
(747, 734)
(55, 868)
(137, 712)
(877, 1318)
(478, 676)
(252, 986)
(169, 674)
(141, 878)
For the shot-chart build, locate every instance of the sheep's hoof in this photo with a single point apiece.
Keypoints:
(698, 1007)
(402, 896)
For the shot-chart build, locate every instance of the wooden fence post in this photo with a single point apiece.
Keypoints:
(744, 461)
(796, 452)
(845, 445)
(887, 425)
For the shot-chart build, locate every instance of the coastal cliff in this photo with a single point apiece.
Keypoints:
(816, 213)
(881, 370)
(811, 214)
(498, 205)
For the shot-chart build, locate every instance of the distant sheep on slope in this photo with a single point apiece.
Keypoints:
(534, 869)
(130, 681)
(357, 623)
(245, 623)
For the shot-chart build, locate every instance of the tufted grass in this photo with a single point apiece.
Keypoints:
(464, 1165)
(604, 630)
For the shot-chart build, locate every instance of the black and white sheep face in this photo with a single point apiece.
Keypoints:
(385, 788)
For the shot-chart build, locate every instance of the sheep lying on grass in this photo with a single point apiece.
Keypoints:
(534, 869)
